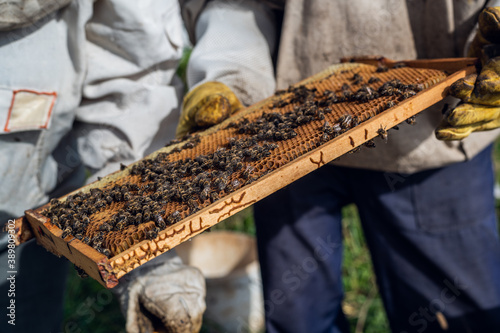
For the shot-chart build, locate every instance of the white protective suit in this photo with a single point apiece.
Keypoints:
(85, 83)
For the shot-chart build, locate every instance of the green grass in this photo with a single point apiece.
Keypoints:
(182, 68)
(362, 303)
(241, 222)
(89, 307)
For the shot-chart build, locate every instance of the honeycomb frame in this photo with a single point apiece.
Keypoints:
(107, 271)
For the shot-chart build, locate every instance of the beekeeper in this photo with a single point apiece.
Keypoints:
(426, 205)
(85, 84)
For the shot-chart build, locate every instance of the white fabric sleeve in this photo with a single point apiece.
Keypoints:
(493, 3)
(234, 45)
(132, 51)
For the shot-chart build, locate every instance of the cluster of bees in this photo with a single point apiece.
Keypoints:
(73, 215)
(194, 183)
(366, 93)
(313, 106)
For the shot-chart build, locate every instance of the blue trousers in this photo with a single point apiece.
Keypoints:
(432, 235)
(38, 290)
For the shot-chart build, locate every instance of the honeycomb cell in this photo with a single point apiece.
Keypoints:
(190, 175)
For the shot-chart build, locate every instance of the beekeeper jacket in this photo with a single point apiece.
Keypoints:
(81, 82)
(314, 35)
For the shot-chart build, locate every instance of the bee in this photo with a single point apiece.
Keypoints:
(160, 222)
(357, 79)
(355, 121)
(407, 94)
(77, 224)
(326, 128)
(137, 219)
(355, 150)
(213, 197)
(336, 128)
(204, 193)
(122, 166)
(345, 121)
(134, 207)
(184, 195)
(100, 203)
(152, 233)
(109, 199)
(54, 220)
(66, 232)
(416, 87)
(387, 90)
(247, 172)
(54, 202)
(396, 83)
(105, 227)
(106, 252)
(382, 132)
(131, 187)
(365, 94)
(370, 144)
(63, 218)
(81, 273)
(220, 182)
(173, 218)
(201, 159)
(373, 79)
(116, 195)
(79, 236)
(234, 185)
(278, 136)
(381, 68)
(193, 205)
(390, 104)
(411, 120)
(127, 197)
(120, 225)
(346, 96)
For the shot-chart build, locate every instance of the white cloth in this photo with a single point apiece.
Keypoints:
(21, 13)
(112, 65)
(234, 43)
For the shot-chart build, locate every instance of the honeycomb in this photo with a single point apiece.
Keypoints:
(193, 173)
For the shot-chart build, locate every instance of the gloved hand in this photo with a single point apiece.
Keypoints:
(480, 94)
(206, 105)
(164, 288)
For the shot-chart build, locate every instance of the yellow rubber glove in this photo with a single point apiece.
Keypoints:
(480, 110)
(206, 105)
